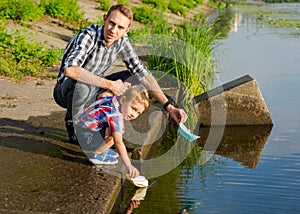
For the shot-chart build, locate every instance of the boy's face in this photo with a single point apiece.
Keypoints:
(132, 109)
(115, 26)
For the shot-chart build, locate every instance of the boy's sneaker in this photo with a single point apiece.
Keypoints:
(102, 159)
(112, 153)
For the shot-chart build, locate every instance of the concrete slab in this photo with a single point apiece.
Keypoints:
(238, 102)
(42, 172)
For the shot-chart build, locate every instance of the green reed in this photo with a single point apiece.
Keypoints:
(183, 50)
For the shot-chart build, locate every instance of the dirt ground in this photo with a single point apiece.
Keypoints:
(21, 100)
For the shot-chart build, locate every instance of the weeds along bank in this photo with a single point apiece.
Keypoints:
(191, 63)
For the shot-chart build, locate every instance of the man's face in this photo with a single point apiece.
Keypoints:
(115, 26)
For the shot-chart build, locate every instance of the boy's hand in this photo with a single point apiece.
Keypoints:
(132, 171)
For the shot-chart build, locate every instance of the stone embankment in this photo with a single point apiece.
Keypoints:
(238, 102)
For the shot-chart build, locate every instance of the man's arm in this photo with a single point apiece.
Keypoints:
(151, 84)
(80, 74)
(135, 65)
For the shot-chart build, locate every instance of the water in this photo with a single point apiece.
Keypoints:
(254, 170)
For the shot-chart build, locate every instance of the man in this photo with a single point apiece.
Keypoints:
(90, 54)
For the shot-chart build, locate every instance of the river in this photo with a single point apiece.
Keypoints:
(258, 168)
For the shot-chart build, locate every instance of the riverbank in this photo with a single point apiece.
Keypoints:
(40, 171)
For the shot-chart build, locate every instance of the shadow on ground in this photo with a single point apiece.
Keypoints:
(41, 172)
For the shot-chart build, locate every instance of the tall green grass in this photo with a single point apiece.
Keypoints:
(184, 51)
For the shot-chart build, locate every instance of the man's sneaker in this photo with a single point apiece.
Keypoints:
(102, 159)
(112, 153)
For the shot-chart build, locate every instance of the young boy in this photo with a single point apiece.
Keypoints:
(107, 116)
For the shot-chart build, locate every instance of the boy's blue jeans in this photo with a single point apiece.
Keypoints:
(89, 140)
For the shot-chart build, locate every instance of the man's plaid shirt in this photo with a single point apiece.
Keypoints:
(88, 50)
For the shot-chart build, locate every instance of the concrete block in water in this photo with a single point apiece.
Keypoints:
(238, 102)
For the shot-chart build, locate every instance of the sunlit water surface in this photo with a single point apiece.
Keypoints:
(267, 179)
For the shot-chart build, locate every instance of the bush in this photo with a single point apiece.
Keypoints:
(22, 58)
(143, 14)
(187, 3)
(20, 9)
(104, 5)
(177, 8)
(124, 2)
(158, 4)
(67, 10)
(182, 6)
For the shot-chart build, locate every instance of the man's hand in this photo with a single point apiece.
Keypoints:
(177, 114)
(119, 87)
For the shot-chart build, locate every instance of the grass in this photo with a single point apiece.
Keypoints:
(189, 60)
(176, 6)
(184, 51)
(19, 57)
(20, 10)
(104, 5)
(67, 10)
(31, 10)
(7, 104)
(9, 97)
(143, 14)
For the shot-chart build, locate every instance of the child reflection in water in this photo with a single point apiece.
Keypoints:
(132, 205)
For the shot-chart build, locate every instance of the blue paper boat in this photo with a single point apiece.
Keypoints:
(183, 130)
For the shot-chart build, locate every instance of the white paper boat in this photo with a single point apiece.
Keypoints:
(139, 181)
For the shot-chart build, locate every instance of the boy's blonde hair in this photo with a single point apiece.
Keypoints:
(139, 94)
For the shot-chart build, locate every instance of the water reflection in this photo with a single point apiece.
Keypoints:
(242, 143)
(224, 22)
(135, 201)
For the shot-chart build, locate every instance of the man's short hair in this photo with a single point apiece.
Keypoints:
(126, 11)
